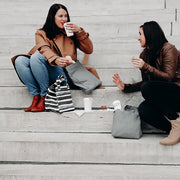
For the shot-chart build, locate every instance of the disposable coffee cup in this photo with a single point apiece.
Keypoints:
(117, 105)
(87, 104)
(68, 32)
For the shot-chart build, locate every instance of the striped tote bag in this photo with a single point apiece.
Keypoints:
(58, 97)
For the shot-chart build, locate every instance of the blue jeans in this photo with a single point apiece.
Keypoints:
(36, 73)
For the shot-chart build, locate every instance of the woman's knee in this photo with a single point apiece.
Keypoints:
(37, 58)
(21, 61)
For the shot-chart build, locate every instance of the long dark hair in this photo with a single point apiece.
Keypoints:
(155, 38)
(50, 27)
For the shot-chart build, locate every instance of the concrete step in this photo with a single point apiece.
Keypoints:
(85, 148)
(10, 77)
(176, 27)
(18, 97)
(99, 61)
(126, 46)
(88, 172)
(78, 121)
(107, 53)
(22, 44)
(175, 39)
(138, 16)
(84, 6)
(172, 4)
(96, 29)
(16, 45)
(111, 53)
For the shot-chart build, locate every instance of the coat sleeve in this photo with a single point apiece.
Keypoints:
(84, 42)
(169, 65)
(132, 87)
(44, 47)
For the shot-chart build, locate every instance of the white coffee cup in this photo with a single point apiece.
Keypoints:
(87, 104)
(117, 104)
(68, 32)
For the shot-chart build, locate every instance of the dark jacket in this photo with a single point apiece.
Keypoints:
(167, 68)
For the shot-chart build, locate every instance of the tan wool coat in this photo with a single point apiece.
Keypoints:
(65, 44)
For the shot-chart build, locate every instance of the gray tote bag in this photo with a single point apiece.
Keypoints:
(82, 78)
(126, 123)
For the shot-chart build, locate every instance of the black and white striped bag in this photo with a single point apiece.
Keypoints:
(58, 97)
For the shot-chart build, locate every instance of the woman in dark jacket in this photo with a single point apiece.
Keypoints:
(160, 85)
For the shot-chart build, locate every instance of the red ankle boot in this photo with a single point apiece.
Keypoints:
(40, 106)
(34, 103)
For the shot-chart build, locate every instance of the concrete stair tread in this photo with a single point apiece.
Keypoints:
(20, 98)
(139, 16)
(78, 121)
(90, 172)
(127, 75)
(96, 30)
(85, 148)
(75, 137)
(85, 7)
(125, 46)
(172, 3)
(43, 146)
(104, 47)
(100, 61)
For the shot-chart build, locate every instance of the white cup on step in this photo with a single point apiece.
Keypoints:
(87, 104)
(117, 104)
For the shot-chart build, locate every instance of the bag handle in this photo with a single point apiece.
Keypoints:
(61, 81)
(59, 52)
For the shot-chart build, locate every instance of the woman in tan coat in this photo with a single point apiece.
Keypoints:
(160, 85)
(47, 59)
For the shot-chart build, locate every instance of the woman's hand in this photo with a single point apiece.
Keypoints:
(118, 82)
(60, 61)
(73, 27)
(137, 62)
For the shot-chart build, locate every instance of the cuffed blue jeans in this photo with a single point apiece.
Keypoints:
(36, 73)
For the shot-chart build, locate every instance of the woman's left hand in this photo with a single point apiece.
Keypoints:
(73, 27)
(137, 62)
